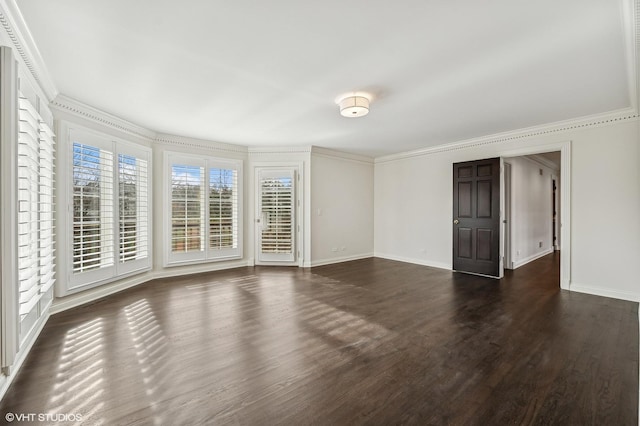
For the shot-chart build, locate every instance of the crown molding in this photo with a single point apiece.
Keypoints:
(340, 155)
(76, 108)
(592, 121)
(16, 29)
(255, 150)
(184, 141)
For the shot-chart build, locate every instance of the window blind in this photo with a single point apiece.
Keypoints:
(277, 211)
(46, 234)
(187, 208)
(36, 252)
(204, 200)
(223, 208)
(92, 208)
(134, 207)
(109, 228)
(28, 171)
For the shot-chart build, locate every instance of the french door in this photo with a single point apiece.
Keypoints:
(275, 215)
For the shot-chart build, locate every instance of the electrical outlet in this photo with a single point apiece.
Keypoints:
(343, 248)
(540, 244)
(334, 249)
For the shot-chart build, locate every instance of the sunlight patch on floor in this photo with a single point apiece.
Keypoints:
(80, 384)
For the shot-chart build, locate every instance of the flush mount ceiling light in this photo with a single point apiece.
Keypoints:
(354, 106)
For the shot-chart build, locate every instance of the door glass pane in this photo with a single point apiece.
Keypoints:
(277, 215)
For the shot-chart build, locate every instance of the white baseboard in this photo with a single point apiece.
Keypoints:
(333, 260)
(63, 303)
(604, 292)
(208, 267)
(422, 262)
(68, 302)
(22, 356)
(522, 262)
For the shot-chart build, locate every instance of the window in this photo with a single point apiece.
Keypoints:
(204, 213)
(134, 207)
(92, 210)
(187, 206)
(109, 222)
(36, 254)
(223, 209)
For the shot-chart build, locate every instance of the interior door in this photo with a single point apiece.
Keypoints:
(476, 217)
(275, 216)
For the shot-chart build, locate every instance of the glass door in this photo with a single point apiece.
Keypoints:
(275, 216)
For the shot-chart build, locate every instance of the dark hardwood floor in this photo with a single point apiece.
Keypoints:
(364, 342)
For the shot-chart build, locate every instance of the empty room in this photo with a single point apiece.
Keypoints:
(327, 213)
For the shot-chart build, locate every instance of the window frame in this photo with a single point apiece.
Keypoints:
(79, 281)
(207, 254)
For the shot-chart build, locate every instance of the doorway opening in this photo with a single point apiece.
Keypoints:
(531, 203)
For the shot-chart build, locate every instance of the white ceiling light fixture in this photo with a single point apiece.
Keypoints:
(354, 106)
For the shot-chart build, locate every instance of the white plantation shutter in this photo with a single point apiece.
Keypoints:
(204, 201)
(110, 203)
(133, 203)
(46, 235)
(277, 212)
(36, 251)
(133, 210)
(187, 207)
(223, 208)
(28, 171)
(92, 208)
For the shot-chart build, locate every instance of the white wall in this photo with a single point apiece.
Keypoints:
(606, 211)
(413, 209)
(413, 204)
(531, 210)
(341, 208)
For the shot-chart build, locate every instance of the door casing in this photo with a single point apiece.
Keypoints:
(564, 200)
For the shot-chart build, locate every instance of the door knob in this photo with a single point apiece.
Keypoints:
(456, 221)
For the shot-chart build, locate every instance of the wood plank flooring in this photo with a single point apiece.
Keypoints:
(365, 342)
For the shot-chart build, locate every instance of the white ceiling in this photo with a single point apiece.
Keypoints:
(268, 73)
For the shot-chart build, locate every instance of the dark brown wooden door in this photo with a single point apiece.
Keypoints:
(476, 217)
